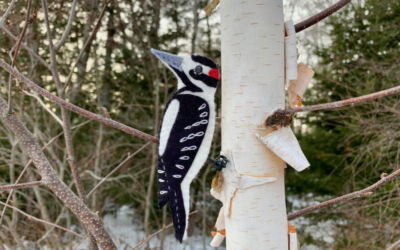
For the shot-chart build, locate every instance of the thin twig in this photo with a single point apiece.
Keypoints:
(339, 104)
(44, 106)
(29, 163)
(27, 22)
(30, 217)
(68, 135)
(115, 169)
(30, 145)
(394, 246)
(22, 185)
(88, 41)
(321, 16)
(364, 192)
(76, 109)
(68, 28)
(7, 12)
(154, 234)
(8, 33)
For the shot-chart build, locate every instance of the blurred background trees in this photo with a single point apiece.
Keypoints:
(354, 52)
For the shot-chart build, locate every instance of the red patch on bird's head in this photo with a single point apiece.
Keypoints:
(214, 73)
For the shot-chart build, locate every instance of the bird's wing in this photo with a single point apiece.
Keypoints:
(184, 135)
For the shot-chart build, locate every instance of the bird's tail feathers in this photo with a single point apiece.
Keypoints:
(179, 219)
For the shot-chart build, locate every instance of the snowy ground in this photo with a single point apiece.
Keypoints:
(127, 234)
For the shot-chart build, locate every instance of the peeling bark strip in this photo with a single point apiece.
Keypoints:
(76, 109)
(364, 192)
(50, 179)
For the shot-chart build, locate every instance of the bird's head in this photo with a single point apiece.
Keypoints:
(194, 73)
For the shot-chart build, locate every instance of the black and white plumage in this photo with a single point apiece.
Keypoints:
(186, 132)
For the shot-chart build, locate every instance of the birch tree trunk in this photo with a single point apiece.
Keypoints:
(252, 87)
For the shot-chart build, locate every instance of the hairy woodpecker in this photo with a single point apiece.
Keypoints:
(186, 132)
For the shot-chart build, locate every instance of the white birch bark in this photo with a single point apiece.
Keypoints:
(252, 87)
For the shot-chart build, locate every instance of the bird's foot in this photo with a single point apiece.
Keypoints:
(219, 163)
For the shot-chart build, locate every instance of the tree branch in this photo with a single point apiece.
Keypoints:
(29, 163)
(88, 41)
(23, 185)
(66, 123)
(339, 104)
(30, 217)
(76, 109)
(115, 169)
(68, 28)
(320, 16)
(7, 12)
(364, 192)
(8, 33)
(50, 179)
(394, 246)
(27, 22)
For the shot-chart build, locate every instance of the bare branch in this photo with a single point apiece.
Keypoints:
(30, 217)
(27, 22)
(8, 33)
(29, 163)
(7, 12)
(23, 185)
(394, 246)
(154, 234)
(44, 106)
(88, 41)
(67, 125)
(364, 192)
(339, 104)
(50, 179)
(74, 108)
(68, 28)
(115, 169)
(321, 16)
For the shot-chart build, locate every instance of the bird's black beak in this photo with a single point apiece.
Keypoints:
(170, 60)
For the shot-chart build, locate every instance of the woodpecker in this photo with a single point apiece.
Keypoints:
(186, 132)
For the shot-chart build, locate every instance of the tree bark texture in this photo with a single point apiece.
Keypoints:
(252, 87)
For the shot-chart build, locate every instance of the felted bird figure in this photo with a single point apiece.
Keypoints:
(186, 132)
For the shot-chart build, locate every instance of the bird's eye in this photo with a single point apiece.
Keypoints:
(198, 70)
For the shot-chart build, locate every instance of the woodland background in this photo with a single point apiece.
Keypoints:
(354, 52)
